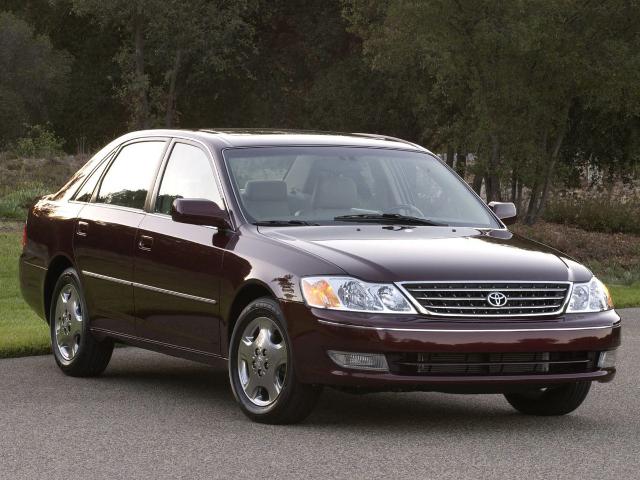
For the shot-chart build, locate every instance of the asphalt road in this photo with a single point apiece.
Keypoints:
(152, 416)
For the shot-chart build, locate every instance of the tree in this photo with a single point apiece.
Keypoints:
(510, 74)
(169, 44)
(33, 76)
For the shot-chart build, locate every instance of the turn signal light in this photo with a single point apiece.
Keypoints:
(24, 236)
(320, 293)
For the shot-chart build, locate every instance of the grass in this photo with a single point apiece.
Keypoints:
(22, 332)
(23, 180)
(625, 296)
(613, 257)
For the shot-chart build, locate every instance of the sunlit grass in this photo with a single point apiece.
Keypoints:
(625, 295)
(22, 332)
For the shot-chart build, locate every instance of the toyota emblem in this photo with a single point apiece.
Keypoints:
(497, 299)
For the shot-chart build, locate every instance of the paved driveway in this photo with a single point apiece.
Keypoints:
(152, 416)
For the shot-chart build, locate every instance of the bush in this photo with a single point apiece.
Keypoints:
(614, 257)
(40, 142)
(608, 215)
(14, 204)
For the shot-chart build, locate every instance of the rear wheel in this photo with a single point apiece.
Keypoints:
(550, 401)
(261, 368)
(76, 351)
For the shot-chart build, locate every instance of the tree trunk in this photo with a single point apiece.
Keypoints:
(477, 183)
(171, 95)
(493, 178)
(529, 218)
(461, 164)
(450, 154)
(142, 111)
(549, 175)
(518, 201)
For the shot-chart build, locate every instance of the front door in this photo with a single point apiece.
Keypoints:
(178, 266)
(105, 234)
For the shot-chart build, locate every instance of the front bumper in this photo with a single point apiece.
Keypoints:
(315, 331)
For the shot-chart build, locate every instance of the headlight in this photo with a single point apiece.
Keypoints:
(344, 293)
(589, 297)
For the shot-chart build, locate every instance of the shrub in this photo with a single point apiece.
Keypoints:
(40, 142)
(604, 214)
(14, 204)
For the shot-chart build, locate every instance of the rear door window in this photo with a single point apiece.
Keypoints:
(128, 180)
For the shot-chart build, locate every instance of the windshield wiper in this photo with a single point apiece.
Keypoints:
(282, 223)
(388, 218)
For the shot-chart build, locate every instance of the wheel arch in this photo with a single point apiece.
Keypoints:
(247, 293)
(57, 265)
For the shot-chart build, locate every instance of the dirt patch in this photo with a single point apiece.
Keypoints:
(10, 226)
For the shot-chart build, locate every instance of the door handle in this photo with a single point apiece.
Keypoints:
(145, 243)
(82, 228)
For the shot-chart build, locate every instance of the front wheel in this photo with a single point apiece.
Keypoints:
(550, 401)
(76, 351)
(261, 368)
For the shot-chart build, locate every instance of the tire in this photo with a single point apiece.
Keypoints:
(551, 401)
(75, 349)
(261, 368)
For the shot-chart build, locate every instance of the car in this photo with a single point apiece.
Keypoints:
(302, 260)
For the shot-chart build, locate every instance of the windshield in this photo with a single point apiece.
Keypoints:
(338, 185)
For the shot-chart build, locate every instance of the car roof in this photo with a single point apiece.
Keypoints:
(230, 138)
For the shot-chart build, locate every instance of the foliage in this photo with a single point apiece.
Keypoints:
(600, 214)
(39, 142)
(169, 46)
(532, 91)
(508, 75)
(615, 257)
(14, 204)
(33, 76)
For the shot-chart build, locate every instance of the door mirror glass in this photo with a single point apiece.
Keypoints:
(505, 211)
(196, 211)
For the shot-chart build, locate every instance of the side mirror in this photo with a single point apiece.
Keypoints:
(505, 211)
(196, 211)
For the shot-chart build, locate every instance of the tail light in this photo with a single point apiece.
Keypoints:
(24, 236)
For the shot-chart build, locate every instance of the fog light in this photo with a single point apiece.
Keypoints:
(607, 359)
(360, 361)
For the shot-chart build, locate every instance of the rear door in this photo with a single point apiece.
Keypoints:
(178, 266)
(105, 233)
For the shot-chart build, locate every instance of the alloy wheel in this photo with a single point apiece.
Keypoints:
(262, 361)
(68, 322)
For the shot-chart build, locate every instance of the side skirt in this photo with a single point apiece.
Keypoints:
(161, 347)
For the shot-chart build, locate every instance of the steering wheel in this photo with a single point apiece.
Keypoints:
(406, 209)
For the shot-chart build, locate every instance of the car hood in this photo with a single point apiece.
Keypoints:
(380, 253)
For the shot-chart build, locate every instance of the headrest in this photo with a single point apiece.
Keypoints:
(265, 190)
(340, 192)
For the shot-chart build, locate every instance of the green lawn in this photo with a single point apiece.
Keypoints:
(24, 333)
(625, 295)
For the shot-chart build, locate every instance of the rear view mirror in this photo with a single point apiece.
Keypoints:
(197, 211)
(505, 211)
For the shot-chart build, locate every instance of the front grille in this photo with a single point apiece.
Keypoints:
(469, 364)
(472, 299)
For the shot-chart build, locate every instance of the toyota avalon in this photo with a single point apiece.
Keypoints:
(303, 260)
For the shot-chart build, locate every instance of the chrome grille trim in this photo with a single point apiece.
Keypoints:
(523, 298)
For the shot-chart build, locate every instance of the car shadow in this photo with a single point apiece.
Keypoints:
(177, 380)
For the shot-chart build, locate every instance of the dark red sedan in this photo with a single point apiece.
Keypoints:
(304, 260)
